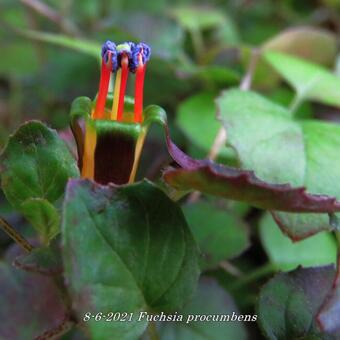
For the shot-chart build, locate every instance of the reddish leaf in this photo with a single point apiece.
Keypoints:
(244, 186)
(30, 304)
(289, 303)
(329, 315)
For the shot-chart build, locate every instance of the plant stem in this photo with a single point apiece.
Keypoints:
(50, 13)
(221, 136)
(295, 104)
(247, 80)
(14, 235)
(230, 269)
(152, 331)
(337, 235)
(197, 40)
(255, 275)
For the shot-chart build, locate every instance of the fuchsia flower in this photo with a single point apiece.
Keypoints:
(110, 132)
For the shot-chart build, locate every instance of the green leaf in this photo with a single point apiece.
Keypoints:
(35, 164)
(197, 114)
(196, 18)
(280, 149)
(220, 237)
(210, 299)
(310, 81)
(35, 302)
(43, 216)
(315, 45)
(289, 303)
(144, 257)
(317, 250)
(84, 46)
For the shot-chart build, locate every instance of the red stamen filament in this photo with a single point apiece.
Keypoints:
(103, 88)
(125, 73)
(139, 90)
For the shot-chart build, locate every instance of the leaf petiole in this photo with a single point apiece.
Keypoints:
(14, 235)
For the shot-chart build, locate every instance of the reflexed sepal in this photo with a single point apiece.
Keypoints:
(108, 150)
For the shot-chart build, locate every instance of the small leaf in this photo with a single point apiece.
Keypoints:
(144, 255)
(223, 236)
(210, 299)
(84, 46)
(310, 81)
(43, 216)
(289, 303)
(30, 304)
(317, 250)
(35, 164)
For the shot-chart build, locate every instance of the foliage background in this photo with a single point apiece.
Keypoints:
(49, 56)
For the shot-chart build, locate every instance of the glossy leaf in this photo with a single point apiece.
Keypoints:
(222, 236)
(144, 257)
(309, 80)
(43, 216)
(317, 250)
(35, 164)
(288, 303)
(210, 299)
(30, 304)
(282, 150)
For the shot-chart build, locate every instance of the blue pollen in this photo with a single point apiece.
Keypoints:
(107, 47)
(140, 49)
(130, 49)
(125, 49)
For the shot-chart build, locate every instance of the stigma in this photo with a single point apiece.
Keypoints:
(118, 61)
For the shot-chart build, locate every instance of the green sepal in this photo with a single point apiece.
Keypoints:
(116, 153)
